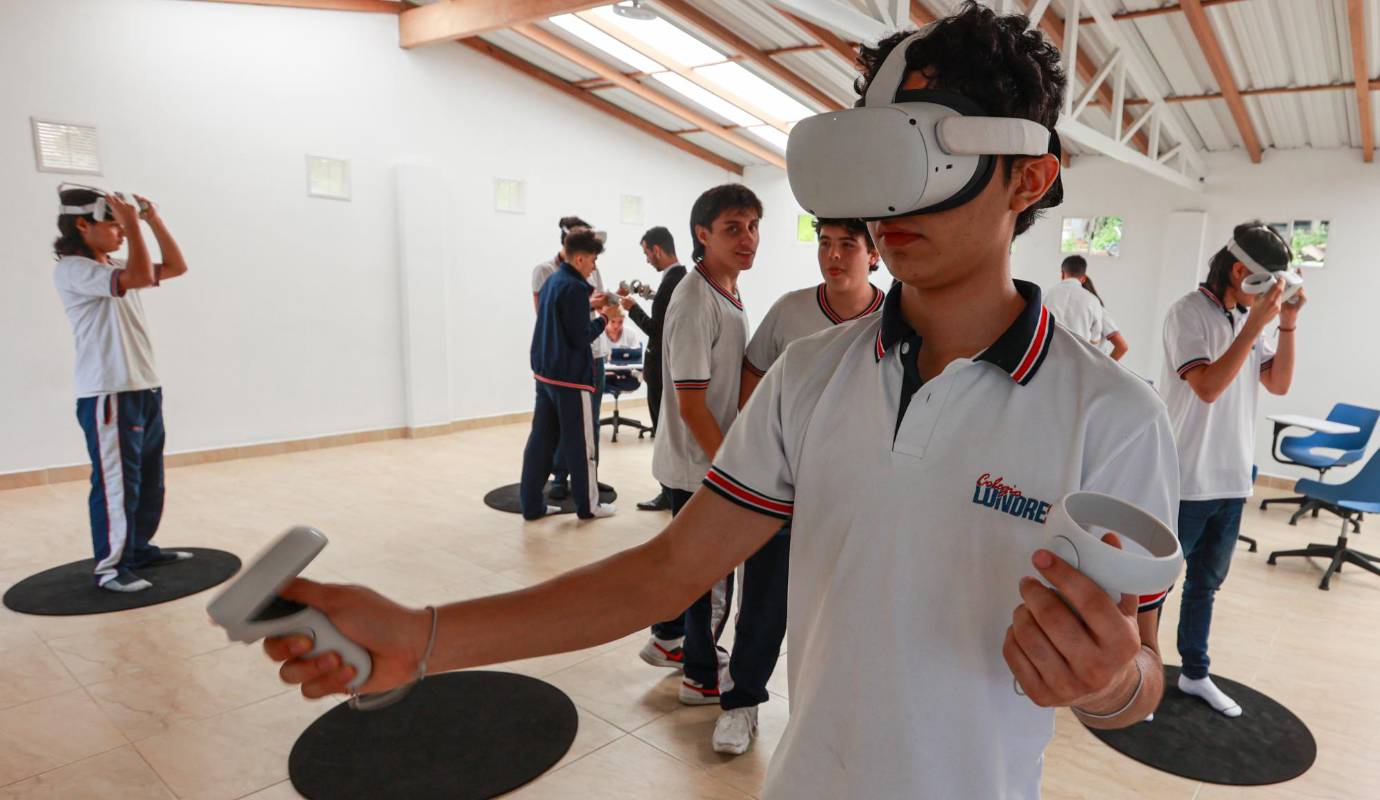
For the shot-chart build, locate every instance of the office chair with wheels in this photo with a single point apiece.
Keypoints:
(1350, 500)
(621, 376)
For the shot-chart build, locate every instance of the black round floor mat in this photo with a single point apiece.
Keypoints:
(1266, 744)
(505, 498)
(458, 736)
(68, 590)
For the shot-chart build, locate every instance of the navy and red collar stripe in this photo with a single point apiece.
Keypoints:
(822, 297)
(1019, 351)
(731, 297)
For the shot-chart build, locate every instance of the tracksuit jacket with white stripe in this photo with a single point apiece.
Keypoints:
(564, 331)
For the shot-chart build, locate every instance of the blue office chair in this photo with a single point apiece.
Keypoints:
(1300, 450)
(621, 377)
(1358, 496)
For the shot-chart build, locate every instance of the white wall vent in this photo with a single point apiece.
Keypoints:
(65, 147)
(510, 196)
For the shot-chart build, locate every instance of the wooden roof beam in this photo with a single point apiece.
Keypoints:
(369, 6)
(1356, 21)
(1221, 72)
(448, 20)
(601, 68)
(599, 103)
(717, 30)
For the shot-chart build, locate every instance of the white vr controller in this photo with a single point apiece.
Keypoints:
(1117, 571)
(250, 609)
(1262, 280)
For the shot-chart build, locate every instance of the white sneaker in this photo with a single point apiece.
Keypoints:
(696, 694)
(603, 510)
(664, 652)
(126, 582)
(735, 730)
(553, 510)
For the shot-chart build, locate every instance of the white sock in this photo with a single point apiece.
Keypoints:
(1206, 689)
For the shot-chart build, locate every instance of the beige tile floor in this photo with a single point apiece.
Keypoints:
(155, 703)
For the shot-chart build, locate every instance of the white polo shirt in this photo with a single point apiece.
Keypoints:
(1077, 309)
(545, 269)
(1215, 440)
(702, 343)
(629, 340)
(1109, 329)
(114, 353)
(796, 315)
(915, 509)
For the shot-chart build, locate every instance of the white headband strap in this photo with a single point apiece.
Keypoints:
(887, 82)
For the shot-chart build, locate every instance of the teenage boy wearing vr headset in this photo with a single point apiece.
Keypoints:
(565, 422)
(1217, 353)
(119, 395)
(911, 607)
(560, 479)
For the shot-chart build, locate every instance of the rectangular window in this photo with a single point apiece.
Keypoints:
(1095, 236)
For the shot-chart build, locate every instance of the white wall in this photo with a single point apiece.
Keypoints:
(289, 324)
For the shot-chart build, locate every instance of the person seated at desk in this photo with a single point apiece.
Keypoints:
(624, 373)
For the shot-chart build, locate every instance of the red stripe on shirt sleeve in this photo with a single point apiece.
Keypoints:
(737, 492)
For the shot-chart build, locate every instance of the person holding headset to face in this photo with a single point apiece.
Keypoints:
(119, 394)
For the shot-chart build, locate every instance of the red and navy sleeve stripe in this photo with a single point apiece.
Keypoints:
(115, 290)
(751, 367)
(1264, 365)
(693, 385)
(1150, 602)
(1191, 363)
(735, 491)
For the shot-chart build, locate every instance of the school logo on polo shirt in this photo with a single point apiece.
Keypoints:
(997, 495)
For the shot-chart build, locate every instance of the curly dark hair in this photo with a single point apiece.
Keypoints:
(708, 207)
(583, 240)
(996, 62)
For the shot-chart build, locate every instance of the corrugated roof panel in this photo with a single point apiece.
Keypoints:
(755, 21)
(533, 53)
(579, 43)
(643, 108)
(680, 99)
(716, 145)
(825, 71)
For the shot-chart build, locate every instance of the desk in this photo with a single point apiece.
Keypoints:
(1283, 421)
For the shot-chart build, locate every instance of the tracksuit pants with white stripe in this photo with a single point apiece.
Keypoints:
(124, 437)
(563, 422)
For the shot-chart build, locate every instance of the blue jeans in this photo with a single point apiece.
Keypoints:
(1207, 534)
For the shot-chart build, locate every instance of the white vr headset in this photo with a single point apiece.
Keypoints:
(1262, 279)
(903, 151)
(602, 236)
(99, 208)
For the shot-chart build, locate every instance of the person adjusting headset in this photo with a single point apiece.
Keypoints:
(877, 439)
(119, 394)
(1218, 352)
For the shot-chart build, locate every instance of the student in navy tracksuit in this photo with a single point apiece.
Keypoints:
(563, 365)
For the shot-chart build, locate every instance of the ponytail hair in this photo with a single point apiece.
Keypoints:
(70, 241)
(1088, 284)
